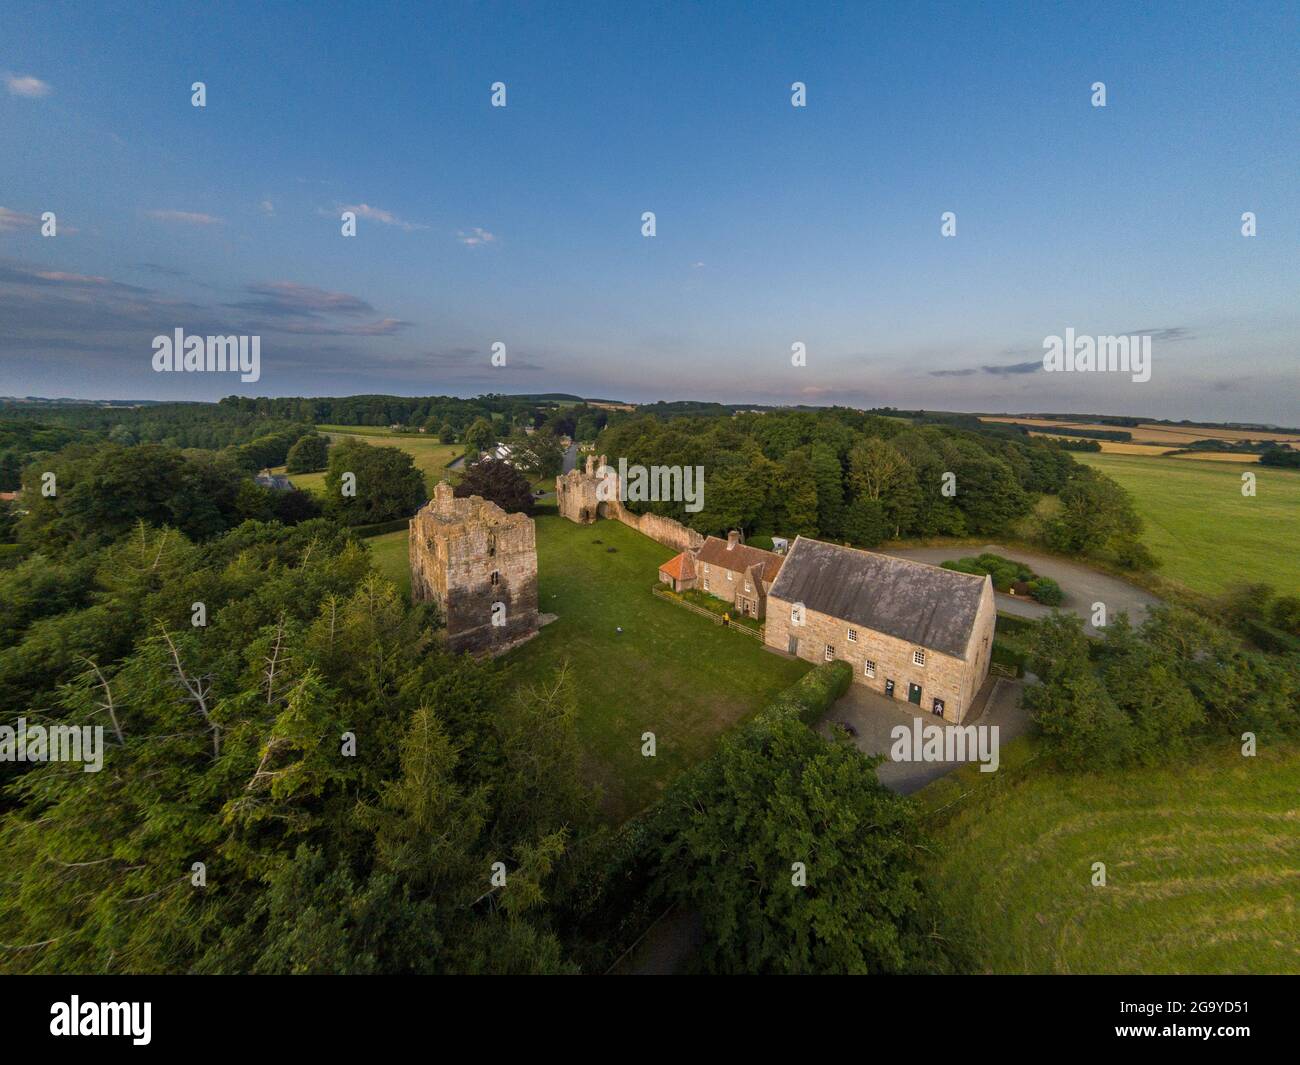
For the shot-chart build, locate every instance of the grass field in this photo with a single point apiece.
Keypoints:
(392, 558)
(1200, 527)
(670, 672)
(429, 456)
(1202, 869)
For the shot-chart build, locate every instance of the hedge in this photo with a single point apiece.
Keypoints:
(379, 528)
(813, 693)
(1006, 655)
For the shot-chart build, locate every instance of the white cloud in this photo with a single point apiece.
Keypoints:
(268, 208)
(378, 214)
(12, 220)
(26, 85)
(476, 237)
(194, 218)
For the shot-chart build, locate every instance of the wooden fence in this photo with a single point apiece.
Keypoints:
(717, 619)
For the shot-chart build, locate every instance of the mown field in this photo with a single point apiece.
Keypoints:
(1200, 527)
(669, 672)
(429, 456)
(1202, 869)
(392, 558)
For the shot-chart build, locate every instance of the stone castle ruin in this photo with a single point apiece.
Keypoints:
(479, 564)
(586, 494)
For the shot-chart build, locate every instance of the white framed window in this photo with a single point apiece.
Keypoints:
(796, 613)
(869, 667)
(706, 582)
(730, 576)
(830, 653)
(853, 635)
(918, 657)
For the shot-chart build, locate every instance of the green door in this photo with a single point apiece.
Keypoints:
(914, 694)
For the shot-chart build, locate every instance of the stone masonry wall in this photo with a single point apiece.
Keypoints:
(944, 677)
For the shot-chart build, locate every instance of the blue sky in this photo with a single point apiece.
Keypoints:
(775, 224)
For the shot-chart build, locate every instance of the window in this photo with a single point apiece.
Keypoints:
(869, 667)
(853, 635)
(492, 544)
(496, 577)
(730, 576)
(796, 613)
(830, 653)
(918, 657)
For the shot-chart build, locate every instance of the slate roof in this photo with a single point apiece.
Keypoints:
(679, 567)
(739, 557)
(278, 481)
(912, 601)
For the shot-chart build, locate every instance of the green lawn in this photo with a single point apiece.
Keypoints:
(1200, 527)
(670, 672)
(1202, 867)
(392, 558)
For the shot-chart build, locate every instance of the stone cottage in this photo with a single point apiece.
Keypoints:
(479, 564)
(726, 569)
(909, 630)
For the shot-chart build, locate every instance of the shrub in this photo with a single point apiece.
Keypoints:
(1046, 591)
(813, 693)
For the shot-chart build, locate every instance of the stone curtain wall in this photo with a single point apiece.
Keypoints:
(663, 530)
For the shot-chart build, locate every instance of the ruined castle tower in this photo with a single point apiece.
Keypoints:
(575, 492)
(479, 564)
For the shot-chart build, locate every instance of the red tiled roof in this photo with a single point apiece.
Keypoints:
(680, 568)
(739, 557)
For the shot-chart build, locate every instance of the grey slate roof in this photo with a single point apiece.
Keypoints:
(922, 604)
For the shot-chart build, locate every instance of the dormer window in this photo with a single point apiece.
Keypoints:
(796, 613)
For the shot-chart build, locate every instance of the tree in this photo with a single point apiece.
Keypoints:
(481, 435)
(447, 433)
(310, 453)
(796, 489)
(1094, 511)
(775, 795)
(499, 482)
(386, 481)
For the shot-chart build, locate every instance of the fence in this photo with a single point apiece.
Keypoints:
(716, 618)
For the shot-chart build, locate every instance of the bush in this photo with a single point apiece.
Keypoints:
(1046, 591)
(811, 696)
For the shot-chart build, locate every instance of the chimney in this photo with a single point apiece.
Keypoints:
(733, 538)
(442, 495)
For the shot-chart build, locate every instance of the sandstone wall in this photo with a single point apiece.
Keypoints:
(952, 680)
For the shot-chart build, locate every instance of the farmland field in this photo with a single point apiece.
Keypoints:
(1202, 869)
(1149, 433)
(429, 456)
(1200, 527)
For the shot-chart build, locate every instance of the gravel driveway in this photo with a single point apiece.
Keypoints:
(1081, 585)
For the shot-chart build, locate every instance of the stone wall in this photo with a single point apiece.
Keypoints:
(479, 564)
(577, 499)
(953, 680)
